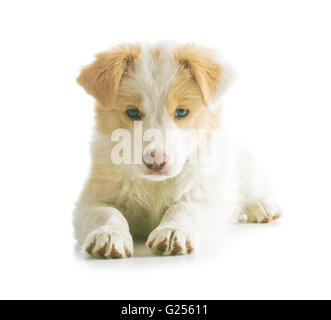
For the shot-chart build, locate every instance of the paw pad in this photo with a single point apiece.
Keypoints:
(169, 241)
(107, 243)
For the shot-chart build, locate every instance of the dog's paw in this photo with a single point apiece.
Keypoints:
(263, 212)
(108, 243)
(169, 241)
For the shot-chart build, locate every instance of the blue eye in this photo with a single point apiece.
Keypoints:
(181, 113)
(133, 113)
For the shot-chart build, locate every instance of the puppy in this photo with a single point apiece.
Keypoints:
(162, 192)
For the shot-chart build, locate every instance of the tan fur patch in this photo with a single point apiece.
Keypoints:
(156, 52)
(101, 79)
(110, 119)
(185, 93)
(204, 70)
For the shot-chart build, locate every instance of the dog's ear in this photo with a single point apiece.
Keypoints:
(212, 76)
(101, 78)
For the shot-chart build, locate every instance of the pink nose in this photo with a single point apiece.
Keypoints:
(155, 160)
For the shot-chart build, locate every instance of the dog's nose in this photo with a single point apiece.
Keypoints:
(155, 160)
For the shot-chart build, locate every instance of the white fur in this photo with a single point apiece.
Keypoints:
(186, 205)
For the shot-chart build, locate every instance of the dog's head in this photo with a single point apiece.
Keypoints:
(152, 101)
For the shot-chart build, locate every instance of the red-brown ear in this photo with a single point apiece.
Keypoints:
(207, 72)
(101, 78)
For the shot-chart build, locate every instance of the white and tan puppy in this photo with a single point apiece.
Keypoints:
(144, 184)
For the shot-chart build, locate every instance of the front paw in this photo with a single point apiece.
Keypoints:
(169, 241)
(108, 243)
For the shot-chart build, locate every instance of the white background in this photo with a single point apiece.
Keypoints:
(280, 106)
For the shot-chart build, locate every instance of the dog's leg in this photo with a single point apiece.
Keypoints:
(262, 211)
(103, 231)
(258, 203)
(173, 235)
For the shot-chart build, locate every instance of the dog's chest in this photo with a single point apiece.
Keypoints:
(143, 205)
